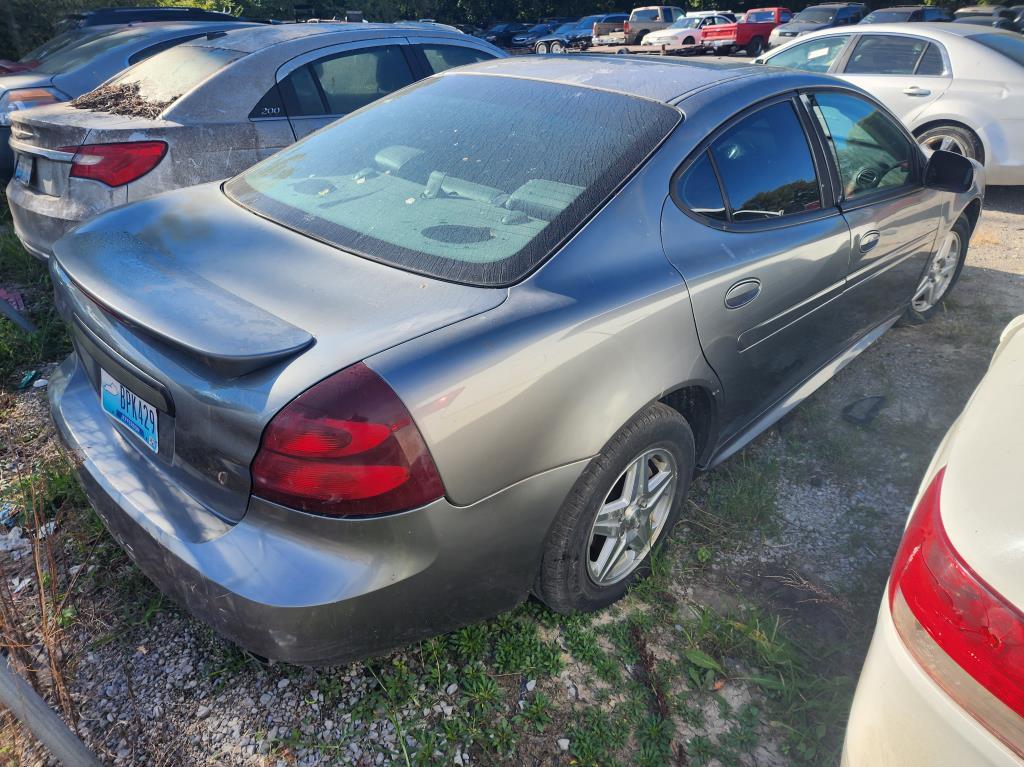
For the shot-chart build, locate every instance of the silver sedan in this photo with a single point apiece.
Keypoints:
(473, 341)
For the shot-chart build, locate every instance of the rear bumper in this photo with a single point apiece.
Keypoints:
(1004, 147)
(900, 717)
(301, 588)
(40, 219)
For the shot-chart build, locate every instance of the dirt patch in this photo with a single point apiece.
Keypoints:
(123, 99)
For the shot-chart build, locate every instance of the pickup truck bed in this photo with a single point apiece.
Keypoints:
(750, 35)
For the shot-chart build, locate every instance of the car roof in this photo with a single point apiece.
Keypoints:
(651, 78)
(934, 29)
(257, 38)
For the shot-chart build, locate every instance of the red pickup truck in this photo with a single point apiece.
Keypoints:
(750, 32)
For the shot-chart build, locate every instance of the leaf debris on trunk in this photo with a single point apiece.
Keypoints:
(123, 99)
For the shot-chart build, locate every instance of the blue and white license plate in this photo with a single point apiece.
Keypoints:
(129, 409)
(23, 169)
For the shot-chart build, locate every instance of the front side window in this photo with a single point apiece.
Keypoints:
(872, 152)
(442, 57)
(812, 56)
(886, 55)
(466, 178)
(766, 167)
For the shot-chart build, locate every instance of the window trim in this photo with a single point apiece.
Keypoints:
(893, 193)
(843, 59)
(822, 169)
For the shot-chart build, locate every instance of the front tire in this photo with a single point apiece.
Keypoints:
(942, 272)
(953, 138)
(542, 48)
(621, 509)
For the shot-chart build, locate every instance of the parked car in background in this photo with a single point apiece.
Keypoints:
(609, 31)
(76, 68)
(688, 30)
(943, 684)
(378, 463)
(650, 18)
(751, 32)
(578, 34)
(996, 22)
(701, 14)
(530, 36)
(998, 11)
(502, 34)
(957, 87)
(902, 13)
(66, 39)
(817, 17)
(208, 109)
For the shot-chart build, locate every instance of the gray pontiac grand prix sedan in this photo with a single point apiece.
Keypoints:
(473, 341)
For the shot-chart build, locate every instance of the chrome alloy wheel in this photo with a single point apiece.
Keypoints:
(632, 516)
(947, 143)
(557, 47)
(939, 274)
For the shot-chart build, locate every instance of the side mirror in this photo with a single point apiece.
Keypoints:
(948, 172)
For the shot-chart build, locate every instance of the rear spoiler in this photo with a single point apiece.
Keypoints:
(126, 277)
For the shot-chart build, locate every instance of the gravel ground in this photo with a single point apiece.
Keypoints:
(154, 687)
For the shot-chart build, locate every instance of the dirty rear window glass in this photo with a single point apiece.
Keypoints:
(168, 75)
(465, 178)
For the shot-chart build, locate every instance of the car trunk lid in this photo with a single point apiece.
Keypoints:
(224, 318)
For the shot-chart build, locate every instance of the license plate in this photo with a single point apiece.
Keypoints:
(721, 43)
(129, 409)
(23, 169)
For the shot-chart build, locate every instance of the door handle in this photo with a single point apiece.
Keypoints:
(868, 241)
(742, 293)
(913, 90)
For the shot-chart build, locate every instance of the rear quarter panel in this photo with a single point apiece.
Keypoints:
(601, 330)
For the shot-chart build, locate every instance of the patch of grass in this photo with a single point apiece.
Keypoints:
(737, 500)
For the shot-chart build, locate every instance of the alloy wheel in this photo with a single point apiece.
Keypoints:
(947, 143)
(556, 47)
(542, 48)
(939, 275)
(632, 516)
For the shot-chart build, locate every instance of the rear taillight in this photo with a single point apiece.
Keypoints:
(116, 164)
(967, 636)
(346, 447)
(625, 27)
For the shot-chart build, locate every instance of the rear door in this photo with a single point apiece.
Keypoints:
(321, 86)
(892, 216)
(764, 251)
(904, 72)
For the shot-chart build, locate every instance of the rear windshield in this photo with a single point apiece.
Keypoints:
(172, 73)
(1010, 46)
(71, 57)
(758, 17)
(815, 15)
(465, 178)
(880, 17)
(74, 37)
(644, 14)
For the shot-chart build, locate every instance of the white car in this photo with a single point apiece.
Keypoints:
(943, 683)
(957, 87)
(685, 31)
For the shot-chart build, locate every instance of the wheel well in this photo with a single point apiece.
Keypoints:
(697, 406)
(938, 123)
(973, 212)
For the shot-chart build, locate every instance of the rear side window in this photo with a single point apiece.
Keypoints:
(872, 152)
(169, 75)
(812, 56)
(766, 167)
(931, 63)
(466, 178)
(442, 57)
(699, 191)
(886, 55)
(353, 80)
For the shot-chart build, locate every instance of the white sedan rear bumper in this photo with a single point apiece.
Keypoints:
(901, 718)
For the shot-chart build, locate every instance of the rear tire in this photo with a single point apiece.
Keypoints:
(542, 48)
(941, 274)
(579, 569)
(755, 47)
(953, 138)
(557, 47)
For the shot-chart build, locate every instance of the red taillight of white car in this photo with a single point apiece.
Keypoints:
(116, 164)
(967, 636)
(346, 447)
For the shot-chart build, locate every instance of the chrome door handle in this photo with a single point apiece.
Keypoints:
(913, 90)
(868, 241)
(742, 293)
